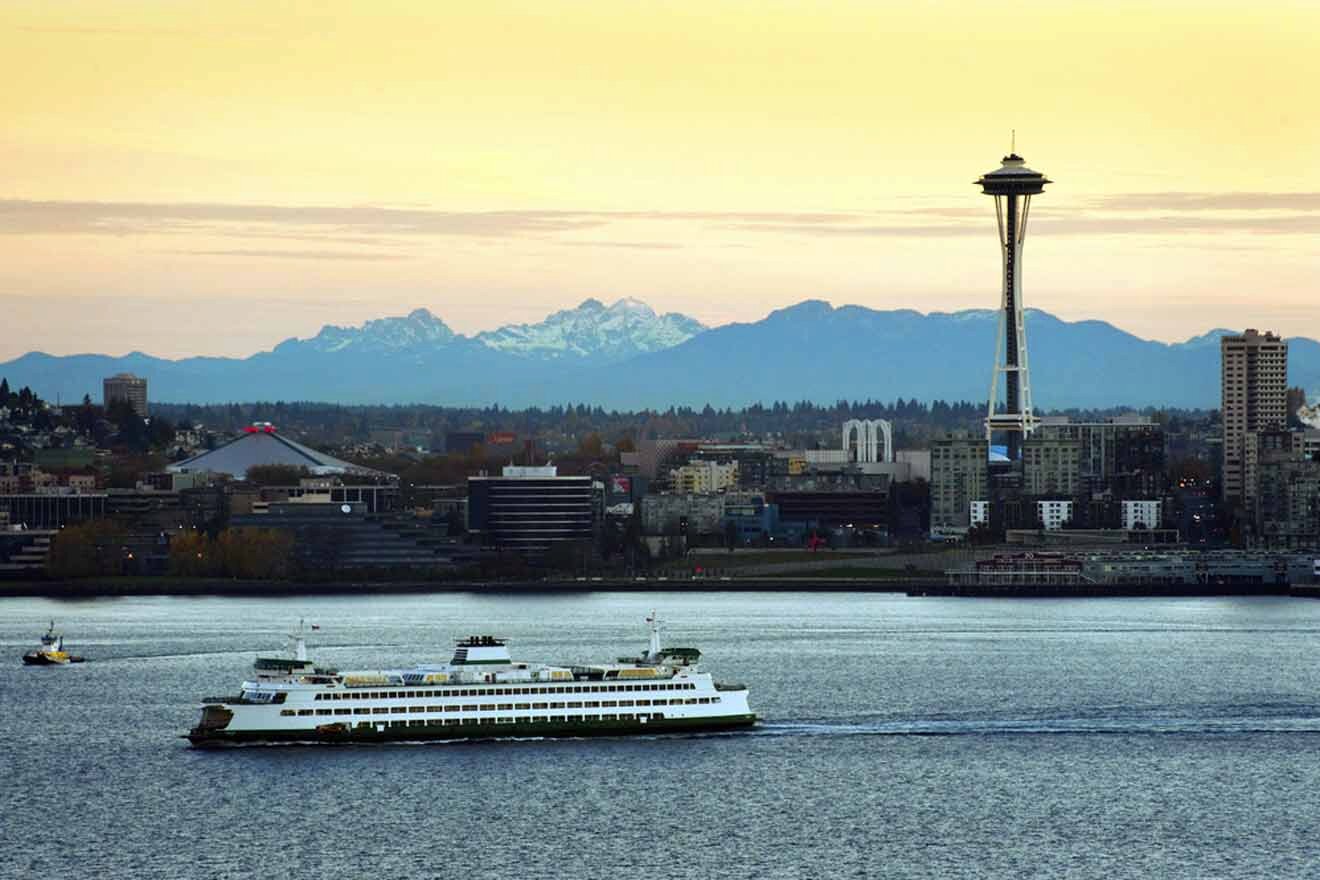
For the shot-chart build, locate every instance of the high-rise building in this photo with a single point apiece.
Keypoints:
(531, 509)
(1254, 383)
(1012, 184)
(1285, 489)
(959, 475)
(699, 477)
(754, 461)
(125, 386)
(1123, 456)
(1050, 465)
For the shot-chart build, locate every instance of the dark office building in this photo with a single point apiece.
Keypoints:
(531, 509)
(52, 511)
(858, 509)
(333, 537)
(1139, 462)
(1123, 456)
(380, 498)
(755, 463)
(463, 442)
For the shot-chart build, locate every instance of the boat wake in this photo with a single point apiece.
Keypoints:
(1114, 726)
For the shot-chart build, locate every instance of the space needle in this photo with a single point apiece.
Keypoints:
(1012, 184)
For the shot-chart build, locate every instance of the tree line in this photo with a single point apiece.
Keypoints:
(803, 422)
(104, 548)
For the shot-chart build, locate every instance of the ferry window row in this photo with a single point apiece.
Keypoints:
(408, 694)
(506, 707)
(449, 722)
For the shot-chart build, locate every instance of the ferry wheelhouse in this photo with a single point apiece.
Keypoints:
(481, 693)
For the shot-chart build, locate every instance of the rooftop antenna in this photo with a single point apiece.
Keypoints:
(1012, 143)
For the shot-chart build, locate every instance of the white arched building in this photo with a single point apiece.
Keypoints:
(871, 434)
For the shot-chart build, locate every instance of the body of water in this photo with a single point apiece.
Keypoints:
(900, 738)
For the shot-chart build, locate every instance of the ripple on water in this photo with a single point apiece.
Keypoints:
(902, 737)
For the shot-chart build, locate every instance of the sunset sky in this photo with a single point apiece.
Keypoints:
(211, 177)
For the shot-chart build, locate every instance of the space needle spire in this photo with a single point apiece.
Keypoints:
(1012, 184)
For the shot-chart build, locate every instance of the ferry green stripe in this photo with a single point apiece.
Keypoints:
(574, 728)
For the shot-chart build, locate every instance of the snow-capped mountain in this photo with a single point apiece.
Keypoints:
(419, 328)
(1209, 339)
(810, 351)
(594, 331)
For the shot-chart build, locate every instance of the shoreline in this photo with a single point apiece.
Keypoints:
(914, 587)
(211, 587)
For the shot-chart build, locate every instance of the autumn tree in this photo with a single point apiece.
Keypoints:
(590, 447)
(90, 549)
(191, 555)
(254, 553)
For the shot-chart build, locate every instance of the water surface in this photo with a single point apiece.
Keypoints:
(901, 738)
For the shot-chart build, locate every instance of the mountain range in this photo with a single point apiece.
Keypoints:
(625, 356)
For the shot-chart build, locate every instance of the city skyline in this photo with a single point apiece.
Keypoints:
(614, 389)
(267, 171)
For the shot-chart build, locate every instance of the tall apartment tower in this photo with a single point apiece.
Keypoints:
(959, 479)
(1012, 184)
(1254, 391)
(125, 386)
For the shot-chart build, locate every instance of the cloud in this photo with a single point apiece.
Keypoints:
(104, 31)
(398, 226)
(25, 217)
(1230, 201)
(807, 217)
(295, 255)
(318, 237)
(1181, 224)
(1255, 213)
(639, 245)
(897, 230)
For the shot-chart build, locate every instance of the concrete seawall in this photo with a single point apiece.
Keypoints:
(916, 586)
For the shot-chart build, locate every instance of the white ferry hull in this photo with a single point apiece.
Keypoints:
(366, 732)
(481, 694)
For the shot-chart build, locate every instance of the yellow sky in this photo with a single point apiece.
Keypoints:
(334, 161)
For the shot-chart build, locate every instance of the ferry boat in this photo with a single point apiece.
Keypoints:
(51, 652)
(481, 693)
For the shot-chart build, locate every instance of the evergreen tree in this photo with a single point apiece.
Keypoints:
(87, 415)
(132, 427)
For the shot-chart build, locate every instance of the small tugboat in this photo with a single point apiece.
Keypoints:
(51, 652)
(482, 693)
